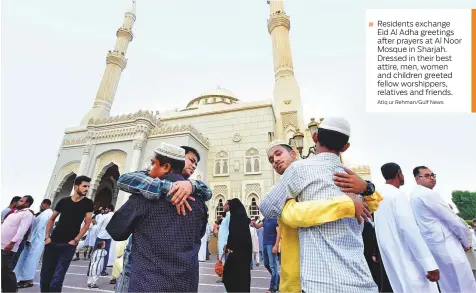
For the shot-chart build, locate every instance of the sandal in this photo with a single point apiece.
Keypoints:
(25, 285)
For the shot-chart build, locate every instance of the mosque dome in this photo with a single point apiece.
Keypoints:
(216, 96)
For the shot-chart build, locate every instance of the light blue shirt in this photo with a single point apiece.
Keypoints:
(223, 233)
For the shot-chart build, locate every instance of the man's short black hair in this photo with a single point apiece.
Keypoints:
(80, 179)
(191, 150)
(390, 170)
(29, 199)
(111, 207)
(331, 139)
(416, 170)
(176, 165)
(47, 201)
(15, 199)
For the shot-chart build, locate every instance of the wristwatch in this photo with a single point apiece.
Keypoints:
(370, 189)
(76, 241)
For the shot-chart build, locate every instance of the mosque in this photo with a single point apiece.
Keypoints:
(231, 136)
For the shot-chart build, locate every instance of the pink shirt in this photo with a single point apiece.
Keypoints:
(15, 227)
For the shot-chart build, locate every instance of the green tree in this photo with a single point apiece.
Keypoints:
(465, 201)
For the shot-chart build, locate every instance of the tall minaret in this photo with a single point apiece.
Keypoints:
(115, 64)
(287, 96)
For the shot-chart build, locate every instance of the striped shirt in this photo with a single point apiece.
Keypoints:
(97, 261)
(332, 254)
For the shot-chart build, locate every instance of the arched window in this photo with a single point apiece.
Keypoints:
(219, 209)
(253, 208)
(221, 164)
(252, 162)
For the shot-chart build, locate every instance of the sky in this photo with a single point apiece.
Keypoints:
(53, 58)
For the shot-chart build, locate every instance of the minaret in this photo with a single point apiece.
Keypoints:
(115, 64)
(287, 96)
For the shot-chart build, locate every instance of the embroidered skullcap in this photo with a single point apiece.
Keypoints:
(337, 124)
(276, 143)
(171, 151)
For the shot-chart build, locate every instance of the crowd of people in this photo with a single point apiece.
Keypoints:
(323, 229)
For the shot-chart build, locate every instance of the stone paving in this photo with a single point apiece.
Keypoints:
(76, 279)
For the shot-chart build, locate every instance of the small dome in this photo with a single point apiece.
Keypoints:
(216, 96)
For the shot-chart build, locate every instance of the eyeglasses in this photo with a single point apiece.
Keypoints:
(428, 175)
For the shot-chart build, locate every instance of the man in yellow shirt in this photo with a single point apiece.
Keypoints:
(316, 212)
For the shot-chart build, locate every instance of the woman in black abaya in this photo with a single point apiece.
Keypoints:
(236, 273)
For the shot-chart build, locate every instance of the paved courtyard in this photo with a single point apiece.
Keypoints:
(76, 279)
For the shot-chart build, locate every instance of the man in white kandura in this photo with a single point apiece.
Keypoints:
(445, 235)
(409, 264)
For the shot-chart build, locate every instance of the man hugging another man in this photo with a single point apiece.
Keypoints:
(165, 243)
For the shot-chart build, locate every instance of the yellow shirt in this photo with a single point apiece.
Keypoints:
(307, 214)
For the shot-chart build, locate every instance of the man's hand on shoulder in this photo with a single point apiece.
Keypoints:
(181, 191)
(361, 209)
(350, 182)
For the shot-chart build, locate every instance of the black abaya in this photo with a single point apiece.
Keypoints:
(236, 273)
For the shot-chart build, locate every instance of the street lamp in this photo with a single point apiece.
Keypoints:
(298, 139)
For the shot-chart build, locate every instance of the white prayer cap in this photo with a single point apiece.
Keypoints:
(171, 151)
(276, 143)
(337, 124)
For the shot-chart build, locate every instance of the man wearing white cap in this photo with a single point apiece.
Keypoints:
(331, 254)
(311, 213)
(165, 244)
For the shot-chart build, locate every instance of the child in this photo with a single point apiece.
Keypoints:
(155, 223)
(97, 261)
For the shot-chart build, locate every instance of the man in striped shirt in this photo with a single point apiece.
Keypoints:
(331, 254)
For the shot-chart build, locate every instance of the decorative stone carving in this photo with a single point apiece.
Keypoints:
(141, 114)
(167, 129)
(289, 119)
(253, 188)
(74, 142)
(117, 58)
(220, 189)
(236, 137)
(237, 165)
(111, 157)
(361, 169)
(64, 172)
(125, 32)
(139, 144)
(278, 19)
(87, 148)
(287, 102)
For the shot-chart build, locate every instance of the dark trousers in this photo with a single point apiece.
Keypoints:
(106, 258)
(9, 280)
(208, 252)
(17, 254)
(56, 260)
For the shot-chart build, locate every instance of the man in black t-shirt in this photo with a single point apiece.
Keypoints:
(60, 248)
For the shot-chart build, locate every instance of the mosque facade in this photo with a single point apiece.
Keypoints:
(231, 136)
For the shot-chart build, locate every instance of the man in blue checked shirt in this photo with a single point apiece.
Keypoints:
(140, 184)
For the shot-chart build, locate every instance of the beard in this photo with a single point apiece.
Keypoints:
(81, 193)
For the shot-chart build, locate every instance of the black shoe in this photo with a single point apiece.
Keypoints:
(104, 274)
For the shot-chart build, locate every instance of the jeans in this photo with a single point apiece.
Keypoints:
(271, 264)
(56, 260)
(106, 258)
(9, 279)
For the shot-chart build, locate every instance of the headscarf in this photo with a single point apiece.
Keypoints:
(239, 238)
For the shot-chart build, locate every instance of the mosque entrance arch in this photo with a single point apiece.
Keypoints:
(106, 191)
(65, 188)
